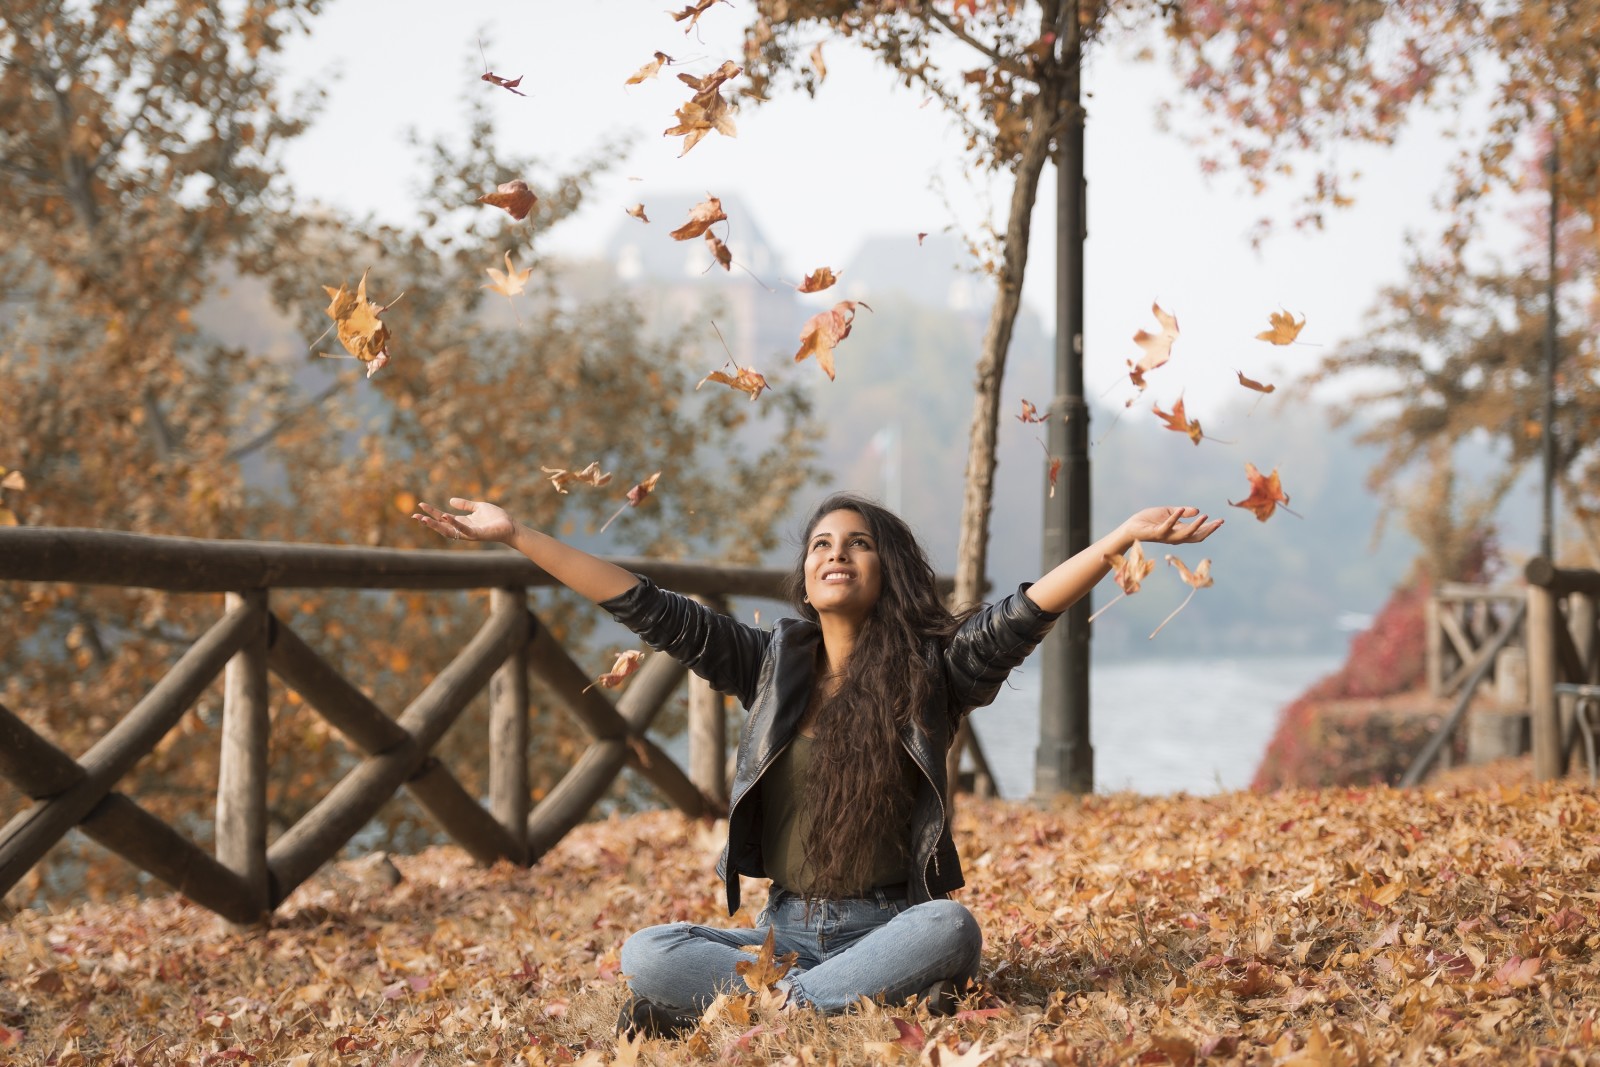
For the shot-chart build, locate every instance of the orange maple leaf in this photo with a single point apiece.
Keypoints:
(355, 318)
(744, 379)
(817, 64)
(1266, 493)
(514, 197)
(650, 69)
(701, 217)
(504, 83)
(1129, 571)
(719, 251)
(627, 662)
(707, 110)
(1030, 413)
(817, 280)
(1157, 347)
(1284, 328)
(590, 475)
(637, 211)
(1199, 578)
(693, 12)
(826, 329)
(1251, 383)
(763, 972)
(509, 282)
(1178, 421)
(636, 496)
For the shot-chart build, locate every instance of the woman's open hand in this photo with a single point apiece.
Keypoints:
(1170, 526)
(482, 521)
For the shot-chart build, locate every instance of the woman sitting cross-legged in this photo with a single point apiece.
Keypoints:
(838, 793)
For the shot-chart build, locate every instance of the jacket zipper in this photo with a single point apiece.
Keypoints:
(923, 870)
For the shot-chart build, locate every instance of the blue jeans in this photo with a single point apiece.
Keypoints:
(876, 946)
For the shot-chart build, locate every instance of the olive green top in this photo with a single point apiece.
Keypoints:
(786, 823)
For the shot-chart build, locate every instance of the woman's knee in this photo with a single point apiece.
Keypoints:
(643, 954)
(950, 929)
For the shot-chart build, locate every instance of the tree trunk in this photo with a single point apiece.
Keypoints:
(973, 551)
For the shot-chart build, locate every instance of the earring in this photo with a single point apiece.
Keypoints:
(805, 600)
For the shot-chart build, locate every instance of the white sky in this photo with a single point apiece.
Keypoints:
(822, 174)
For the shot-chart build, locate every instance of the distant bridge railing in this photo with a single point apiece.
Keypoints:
(248, 878)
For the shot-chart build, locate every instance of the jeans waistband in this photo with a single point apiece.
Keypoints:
(882, 894)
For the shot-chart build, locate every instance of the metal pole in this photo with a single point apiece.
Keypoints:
(1065, 758)
(1547, 435)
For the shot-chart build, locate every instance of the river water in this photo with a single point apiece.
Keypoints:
(1158, 726)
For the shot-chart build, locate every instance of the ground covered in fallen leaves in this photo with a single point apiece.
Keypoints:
(1449, 924)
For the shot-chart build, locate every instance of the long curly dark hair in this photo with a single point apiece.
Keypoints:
(858, 790)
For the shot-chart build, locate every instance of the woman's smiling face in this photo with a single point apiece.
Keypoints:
(843, 572)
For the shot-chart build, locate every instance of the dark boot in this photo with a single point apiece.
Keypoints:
(651, 1019)
(942, 997)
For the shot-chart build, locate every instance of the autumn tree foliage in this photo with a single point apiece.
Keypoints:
(140, 144)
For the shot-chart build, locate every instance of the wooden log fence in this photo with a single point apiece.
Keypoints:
(1562, 647)
(1467, 625)
(249, 877)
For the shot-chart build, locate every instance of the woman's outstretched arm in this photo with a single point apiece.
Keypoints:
(1070, 579)
(588, 576)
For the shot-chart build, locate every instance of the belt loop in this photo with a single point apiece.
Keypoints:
(883, 898)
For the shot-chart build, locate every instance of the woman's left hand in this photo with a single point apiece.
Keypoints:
(1170, 526)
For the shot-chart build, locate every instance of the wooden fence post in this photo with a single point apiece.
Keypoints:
(508, 725)
(1435, 646)
(1544, 710)
(241, 830)
(708, 729)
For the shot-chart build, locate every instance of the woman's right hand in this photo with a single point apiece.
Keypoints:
(481, 521)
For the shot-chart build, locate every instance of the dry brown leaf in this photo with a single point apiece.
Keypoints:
(1284, 329)
(626, 663)
(1251, 383)
(744, 379)
(1199, 578)
(761, 973)
(1178, 421)
(590, 475)
(1157, 347)
(359, 329)
(504, 83)
(637, 211)
(817, 63)
(1030, 413)
(818, 280)
(12, 479)
(702, 217)
(509, 282)
(650, 69)
(693, 12)
(719, 251)
(1266, 493)
(514, 197)
(826, 329)
(636, 496)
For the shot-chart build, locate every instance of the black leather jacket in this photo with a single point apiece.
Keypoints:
(770, 672)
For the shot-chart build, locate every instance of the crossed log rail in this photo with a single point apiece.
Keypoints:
(248, 878)
(1467, 626)
(1563, 646)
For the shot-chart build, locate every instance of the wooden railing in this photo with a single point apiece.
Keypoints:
(249, 877)
(1467, 627)
(1562, 647)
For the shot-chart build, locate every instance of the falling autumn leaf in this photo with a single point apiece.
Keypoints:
(920, 237)
(745, 380)
(693, 12)
(636, 496)
(627, 662)
(1157, 347)
(1030, 413)
(1129, 571)
(719, 251)
(504, 83)
(701, 217)
(355, 318)
(818, 280)
(1251, 383)
(707, 110)
(637, 211)
(1284, 329)
(1196, 580)
(590, 475)
(1055, 472)
(509, 282)
(514, 197)
(1176, 420)
(1266, 493)
(650, 69)
(12, 479)
(826, 329)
